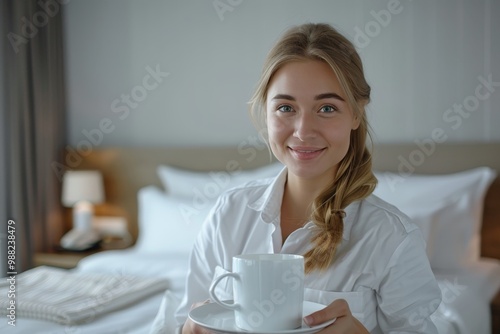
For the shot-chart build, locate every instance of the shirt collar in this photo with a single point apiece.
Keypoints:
(269, 204)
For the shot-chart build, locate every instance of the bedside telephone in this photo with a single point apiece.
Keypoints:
(80, 239)
(83, 236)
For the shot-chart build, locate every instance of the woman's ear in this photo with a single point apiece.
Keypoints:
(358, 114)
(356, 122)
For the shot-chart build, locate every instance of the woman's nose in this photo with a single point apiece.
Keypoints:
(304, 127)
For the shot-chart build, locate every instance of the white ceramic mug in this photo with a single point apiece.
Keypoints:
(268, 291)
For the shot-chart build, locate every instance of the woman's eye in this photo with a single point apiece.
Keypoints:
(285, 108)
(328, 109)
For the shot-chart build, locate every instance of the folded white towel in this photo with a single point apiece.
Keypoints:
(71, 298)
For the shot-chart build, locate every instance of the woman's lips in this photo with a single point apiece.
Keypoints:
(306, 153)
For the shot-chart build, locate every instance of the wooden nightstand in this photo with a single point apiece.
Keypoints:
(495, 314)
(61, 258)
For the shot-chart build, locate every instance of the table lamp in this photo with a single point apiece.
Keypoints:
(81, 189)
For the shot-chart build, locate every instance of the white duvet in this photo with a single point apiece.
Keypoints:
(464, 309)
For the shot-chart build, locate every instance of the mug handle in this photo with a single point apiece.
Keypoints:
(216, 299)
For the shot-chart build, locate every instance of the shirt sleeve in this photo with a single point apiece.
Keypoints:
(409, 293)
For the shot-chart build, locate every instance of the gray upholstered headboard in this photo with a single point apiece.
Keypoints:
(126, 170)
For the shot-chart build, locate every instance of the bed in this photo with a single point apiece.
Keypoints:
(452, 193)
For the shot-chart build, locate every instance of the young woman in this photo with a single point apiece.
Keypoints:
(364, 259)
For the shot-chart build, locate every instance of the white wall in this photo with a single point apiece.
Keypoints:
(420, 61)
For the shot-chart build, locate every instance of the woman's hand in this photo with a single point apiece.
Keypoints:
(345, 323)
(190, 327)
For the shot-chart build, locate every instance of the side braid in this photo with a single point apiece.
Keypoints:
(351, 184)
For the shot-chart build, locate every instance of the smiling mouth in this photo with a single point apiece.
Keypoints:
(306, 153)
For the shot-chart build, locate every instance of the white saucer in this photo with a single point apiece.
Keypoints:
(221, 320)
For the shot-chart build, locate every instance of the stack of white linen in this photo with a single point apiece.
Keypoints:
(70, 298)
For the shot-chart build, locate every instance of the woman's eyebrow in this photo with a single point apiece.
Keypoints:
(317, 97)
(329, 96)
(283, 97)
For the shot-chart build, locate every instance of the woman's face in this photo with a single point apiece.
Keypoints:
(309, 121)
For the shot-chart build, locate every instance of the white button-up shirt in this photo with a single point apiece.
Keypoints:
(380, 268)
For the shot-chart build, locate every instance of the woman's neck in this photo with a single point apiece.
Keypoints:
(296, 207)
(303, 191)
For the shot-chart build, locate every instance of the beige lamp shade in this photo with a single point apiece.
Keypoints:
(82, 185)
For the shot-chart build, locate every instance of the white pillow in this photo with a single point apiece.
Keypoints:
(167, 223)
(170, 221)
(205, 187)
(447, 208)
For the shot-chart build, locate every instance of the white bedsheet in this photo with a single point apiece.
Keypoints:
(130, 261)
(466, 297)
(465, 307)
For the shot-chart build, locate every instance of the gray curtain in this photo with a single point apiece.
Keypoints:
(32, 125)
(3, 180)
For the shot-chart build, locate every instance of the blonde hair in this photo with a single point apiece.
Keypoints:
(354, 179)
